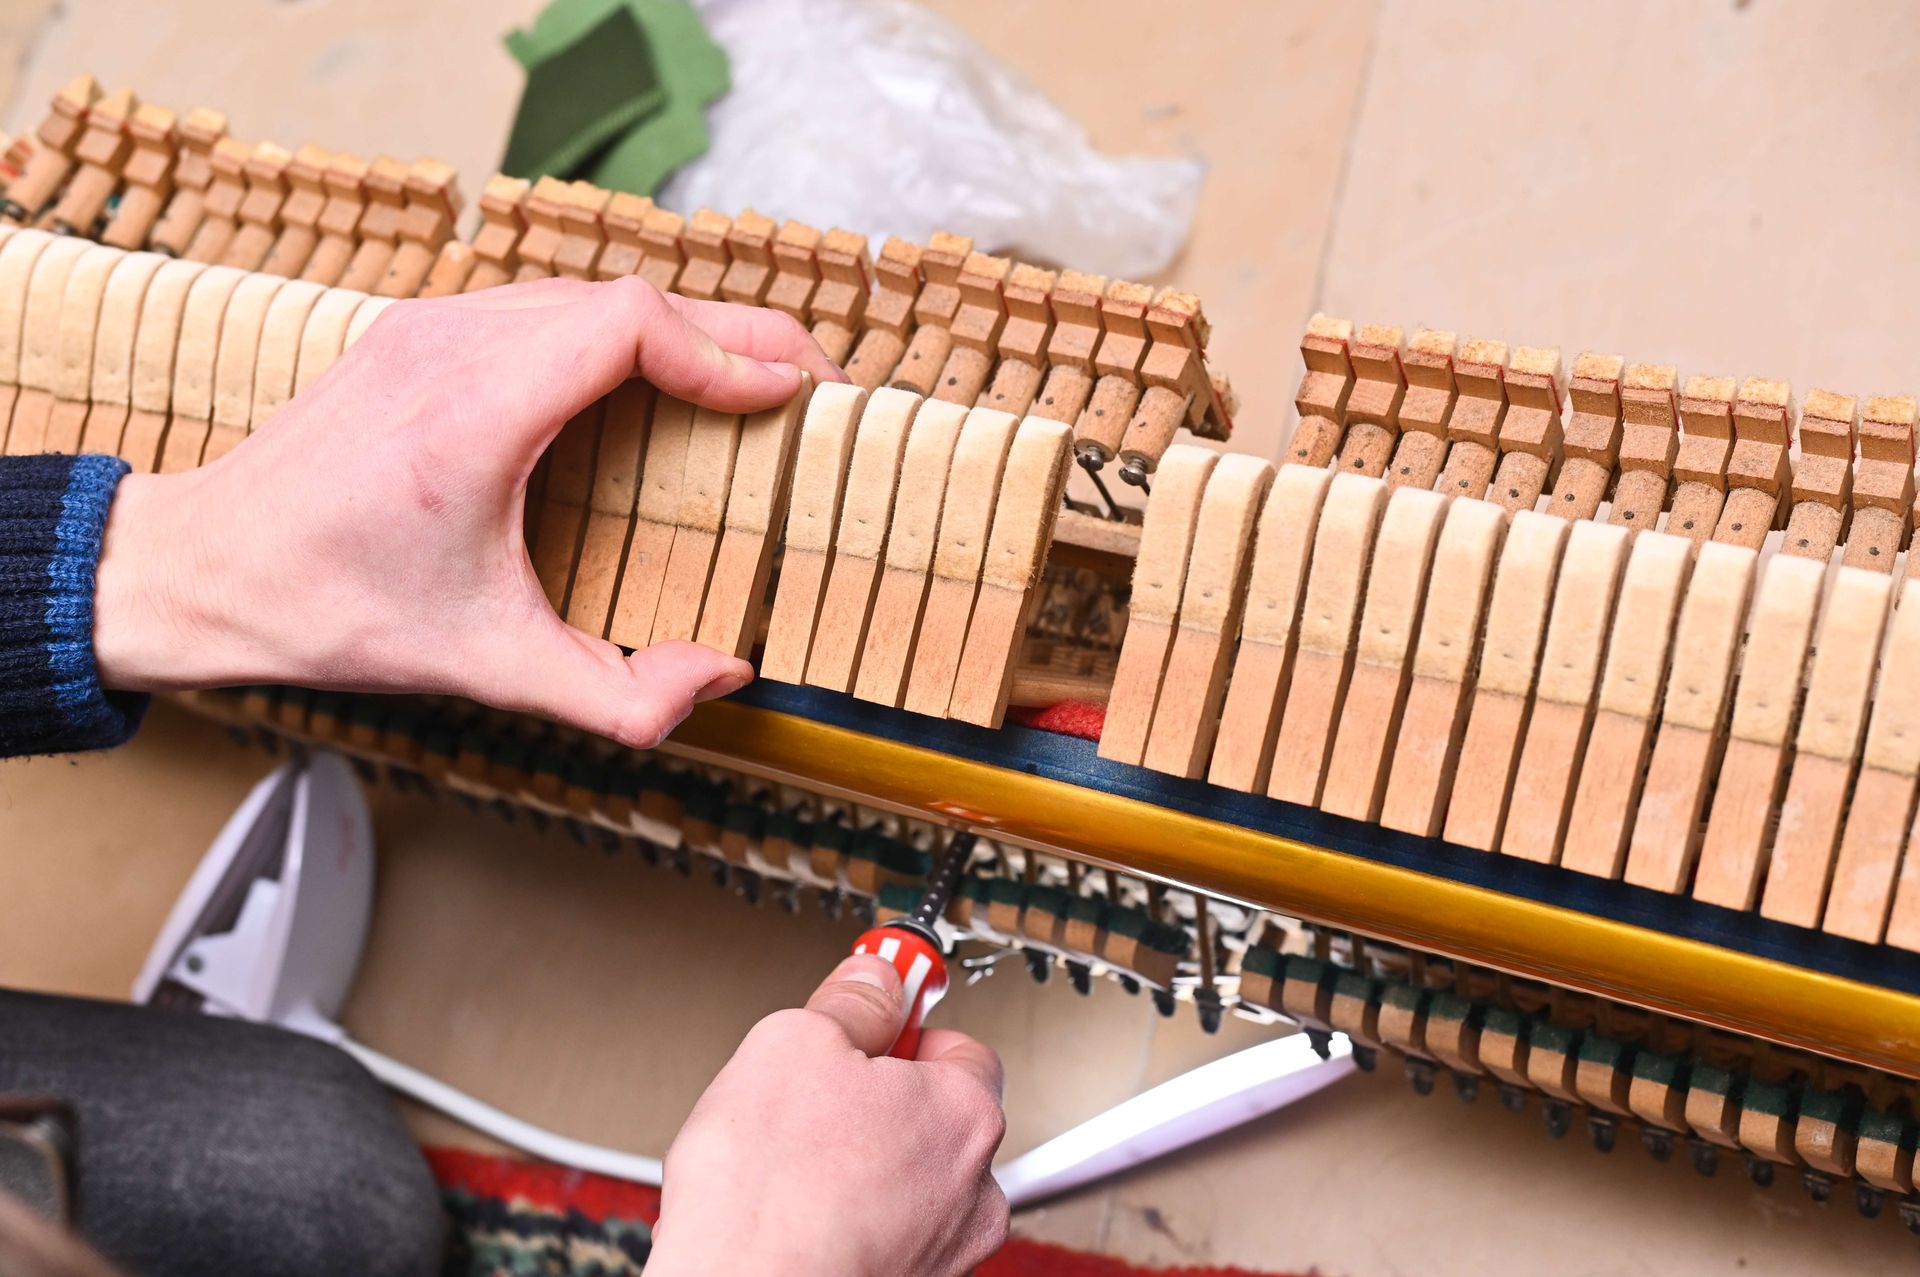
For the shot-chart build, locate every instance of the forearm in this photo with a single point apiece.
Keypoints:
(53, 516)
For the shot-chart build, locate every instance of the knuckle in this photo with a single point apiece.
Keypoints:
(981, 1120)
(641, 722)
(642, 728)
(790, 1025)
(640, 298)
(992, 1221)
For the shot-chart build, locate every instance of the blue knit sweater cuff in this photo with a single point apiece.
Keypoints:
(53, 519)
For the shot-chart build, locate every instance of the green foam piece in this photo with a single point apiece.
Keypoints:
(832, 837)
(592, 75)
(616, 92)
(1450, 1007)
(1126, 922)
(900, 897)
(706, 803)
(694, 71)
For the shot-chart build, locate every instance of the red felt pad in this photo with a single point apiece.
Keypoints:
(1069, 718)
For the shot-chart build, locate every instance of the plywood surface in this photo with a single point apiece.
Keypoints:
(1630, 179)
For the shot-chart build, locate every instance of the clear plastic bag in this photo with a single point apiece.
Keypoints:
(879, 116)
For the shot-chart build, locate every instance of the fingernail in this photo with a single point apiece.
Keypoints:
(725, 685)
(865, 968)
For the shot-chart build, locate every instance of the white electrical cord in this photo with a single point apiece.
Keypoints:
(504, 1127)
(1215, 1097)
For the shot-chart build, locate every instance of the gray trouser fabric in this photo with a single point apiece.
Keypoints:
(212, 1147)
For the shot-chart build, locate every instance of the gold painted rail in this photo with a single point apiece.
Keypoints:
(1740, 992)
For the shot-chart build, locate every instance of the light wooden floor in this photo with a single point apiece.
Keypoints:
(1722, 186)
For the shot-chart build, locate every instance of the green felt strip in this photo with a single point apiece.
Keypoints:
(1164, 937)
(1611, 1052)
(1310, 970)
(1836, 1107)
(1775, 1099)
(745, 818)
(1053, 900)
(1713, 1081)
(1404, 997)
(1669, 1070)
(1451, 1008)
(1505, 1020)
(1087, 909)
(1351, 984)
(1260, 960)
(1878, 1125)
(1543, 1035)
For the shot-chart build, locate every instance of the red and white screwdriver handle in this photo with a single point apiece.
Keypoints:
(912, 943)
(916, 955)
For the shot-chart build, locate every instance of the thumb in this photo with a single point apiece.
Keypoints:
(635, 700)
(865, 998)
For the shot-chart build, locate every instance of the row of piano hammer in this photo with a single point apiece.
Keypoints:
(170, 364)
(1672, 707)
(1123, 365)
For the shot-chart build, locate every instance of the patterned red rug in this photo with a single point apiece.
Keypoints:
(532, 1219)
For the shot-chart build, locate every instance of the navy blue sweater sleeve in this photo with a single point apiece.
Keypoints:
(53, 515)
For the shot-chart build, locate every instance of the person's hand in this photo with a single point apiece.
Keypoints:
(370, 536)
(814, 1153)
